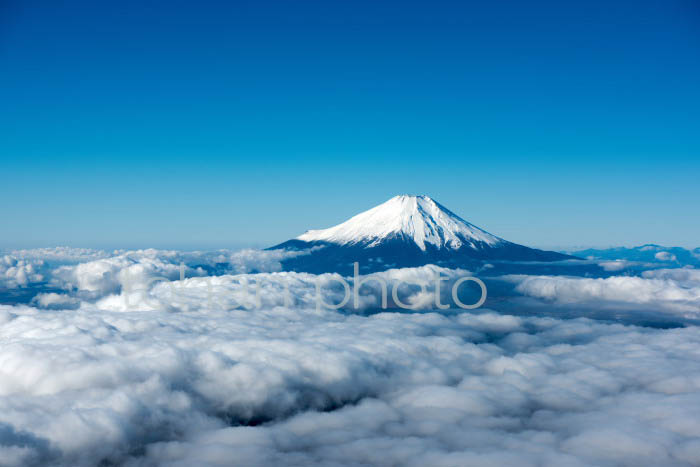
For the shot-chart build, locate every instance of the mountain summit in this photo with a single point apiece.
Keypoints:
(418, 218)
(405, 231)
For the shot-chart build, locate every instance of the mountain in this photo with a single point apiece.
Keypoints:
(405, 231)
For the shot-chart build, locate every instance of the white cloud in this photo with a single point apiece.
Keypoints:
(251, 260)
(688, 277)
(415, 287)
(177, 378)
(62, 254)
(16, 272)
(54, 300)
(665, 256)
(78, 387)
(656, 289)
(108, 275)
(615, 265)
(139, 269)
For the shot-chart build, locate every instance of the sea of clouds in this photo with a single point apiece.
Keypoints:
(152, 357)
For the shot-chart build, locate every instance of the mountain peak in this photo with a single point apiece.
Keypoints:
(405, 231)
(415, 217)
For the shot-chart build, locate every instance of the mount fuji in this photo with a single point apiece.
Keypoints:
(405, 231)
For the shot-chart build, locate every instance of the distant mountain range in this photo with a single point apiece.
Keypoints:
(405, 231)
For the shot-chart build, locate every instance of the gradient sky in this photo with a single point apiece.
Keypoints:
(219, 124)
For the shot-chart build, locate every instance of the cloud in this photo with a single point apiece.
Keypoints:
(292, 386)
(251, 260)
(92, 275)
(665, 256)
(415, 288)
(54, 300)
(108, 275)
(16, 272)
(63, 254)
(615, 265)
(646, 255)
(687, 277)
(33, 267)
(128, 365)
(658, 289)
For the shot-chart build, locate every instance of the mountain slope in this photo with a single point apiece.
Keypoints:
(405, 231)
(416, 217)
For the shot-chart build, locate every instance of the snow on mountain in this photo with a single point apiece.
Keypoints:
(406, 231)
(419, 218)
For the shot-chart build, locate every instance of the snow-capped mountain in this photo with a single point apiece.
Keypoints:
(405, 231)
(418, 218)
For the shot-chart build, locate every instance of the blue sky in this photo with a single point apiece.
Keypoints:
(220, 124)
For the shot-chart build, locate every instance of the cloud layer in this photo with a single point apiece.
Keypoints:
(667, 290)
(296, 387)
(121, 363)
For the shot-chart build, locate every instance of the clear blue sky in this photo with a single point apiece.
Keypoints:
(216, 124)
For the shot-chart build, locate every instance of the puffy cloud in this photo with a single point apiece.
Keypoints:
(55, 300)
(665, 256)
(293, 386)
(130, 366)
(138, 269)
(96, 273)
(415, 288)
(660, 290)
(688, 277)
(33, 267)
(16, 272)
(108, 275)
